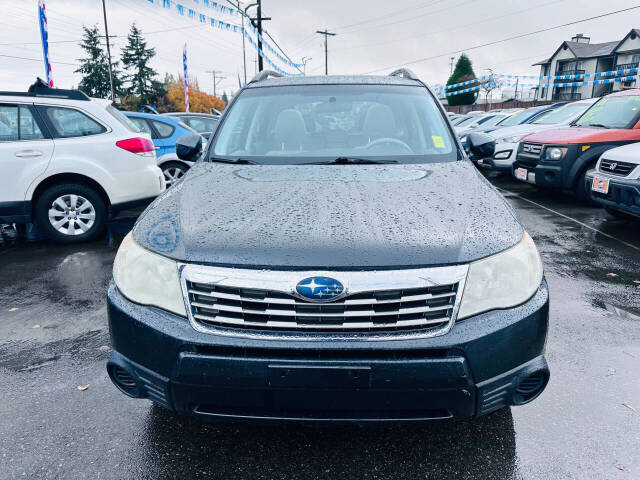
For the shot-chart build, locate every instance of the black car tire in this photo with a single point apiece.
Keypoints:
(171, 170)
(582, 191)
(93, 217)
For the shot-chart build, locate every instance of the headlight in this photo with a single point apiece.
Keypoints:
(463, 139)
(503, 280)
(148, 278)
(555, 153)
(512, 139)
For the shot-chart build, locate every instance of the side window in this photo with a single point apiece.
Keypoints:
(29, 129)
(8, 123)
(142, 125)
(68, 122)
(17, 123)
(164, 130)
(202, 125)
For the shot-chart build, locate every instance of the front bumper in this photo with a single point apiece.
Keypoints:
(623, 195)
(472, 370)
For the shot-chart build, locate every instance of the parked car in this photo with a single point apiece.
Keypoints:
(560, 158)
(298, 274)
(203, 123)
(508, 138)
(615, 182)
(165, 132)
(69, 163)
(474, 121)
(489, 124)
(459, 120)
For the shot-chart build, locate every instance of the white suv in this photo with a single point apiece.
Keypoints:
(69, 162)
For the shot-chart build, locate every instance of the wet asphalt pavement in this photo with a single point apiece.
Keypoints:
(54, 338)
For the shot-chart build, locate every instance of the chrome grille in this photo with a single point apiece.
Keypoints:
(217, 302)
(616, 168)
(532, 149)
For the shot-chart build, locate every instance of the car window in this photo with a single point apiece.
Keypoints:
(164, 129)
(68, 122)
(290, 124)
(141, 124)
(29, 128)
(122, 118)
(517, 118)
(202, 124)
(561, 115)
(612, 112)
(467, 121)
(8, 123)
(494, 120)
(17, 123)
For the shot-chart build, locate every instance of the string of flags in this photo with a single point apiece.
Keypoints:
(222, 24)
(540, 78)
(604, 81)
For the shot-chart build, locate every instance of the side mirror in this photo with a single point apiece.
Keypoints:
(189, 147)
(481, 145)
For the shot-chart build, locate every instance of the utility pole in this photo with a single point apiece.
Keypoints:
(244, 56)
(326, 34)
(515, 95)
(257, 23)
(106, 32)
(216, 79)
(451, 65)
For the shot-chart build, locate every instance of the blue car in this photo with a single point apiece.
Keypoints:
(165, 132)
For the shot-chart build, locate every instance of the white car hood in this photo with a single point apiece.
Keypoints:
(524, 129)
(627, 153)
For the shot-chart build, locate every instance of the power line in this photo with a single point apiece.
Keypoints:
(38, 60)
(416, 6)
(495, 42)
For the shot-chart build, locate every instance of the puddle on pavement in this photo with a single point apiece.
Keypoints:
(622, 313)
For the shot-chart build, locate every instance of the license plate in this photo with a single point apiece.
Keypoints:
(600, 185)
(521, 174)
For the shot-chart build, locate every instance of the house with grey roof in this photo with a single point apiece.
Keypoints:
(580, 57)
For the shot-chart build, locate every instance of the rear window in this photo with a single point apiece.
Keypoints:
(122, 119)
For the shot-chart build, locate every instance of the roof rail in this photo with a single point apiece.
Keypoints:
(404, 73)
(263, 75)
(41, 89)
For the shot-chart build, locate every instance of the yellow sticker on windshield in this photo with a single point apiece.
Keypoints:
(438, 142)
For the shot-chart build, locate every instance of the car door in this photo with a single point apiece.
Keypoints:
(164, 131)
(26, 149)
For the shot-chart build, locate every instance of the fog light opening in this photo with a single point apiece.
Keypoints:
(124, 380)
(530, 387)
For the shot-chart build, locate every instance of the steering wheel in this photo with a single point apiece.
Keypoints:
(388, 140)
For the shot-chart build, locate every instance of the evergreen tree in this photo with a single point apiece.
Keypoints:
(462, 73)
(140, 78)
(95, 67)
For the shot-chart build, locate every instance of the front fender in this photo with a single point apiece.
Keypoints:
(585, 161)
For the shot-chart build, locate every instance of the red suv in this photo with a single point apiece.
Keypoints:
(560, 158)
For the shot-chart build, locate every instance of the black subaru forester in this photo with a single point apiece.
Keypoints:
(332, 256)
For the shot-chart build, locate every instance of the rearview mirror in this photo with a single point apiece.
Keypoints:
(189, 147)
(481, 145)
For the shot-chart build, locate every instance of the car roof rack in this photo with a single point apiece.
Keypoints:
(404, 73)
(41, 89)
(263, 75)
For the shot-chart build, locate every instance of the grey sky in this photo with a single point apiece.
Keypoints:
(371, 34)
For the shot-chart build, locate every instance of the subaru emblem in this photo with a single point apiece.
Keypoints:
(319, 289)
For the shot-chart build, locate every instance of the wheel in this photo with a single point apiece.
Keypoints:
(70, 213)
(173, 171)
(582, 191)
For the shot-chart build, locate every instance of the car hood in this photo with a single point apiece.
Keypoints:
(325, 216)
(572, 135)
(627, 153)
(524, 129)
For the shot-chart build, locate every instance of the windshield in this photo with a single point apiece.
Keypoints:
(304, 123)
(517, 118)
(458, 121)
(494, 120)
(611, 112)
(563, 114)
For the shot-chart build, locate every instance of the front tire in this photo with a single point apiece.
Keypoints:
(71, 213)
(173, 171)
(582, 191)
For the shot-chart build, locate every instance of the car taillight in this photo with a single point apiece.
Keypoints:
(137, 145)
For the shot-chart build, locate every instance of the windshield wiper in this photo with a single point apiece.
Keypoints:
(352, 161)
(597, 125)
(240, 161)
